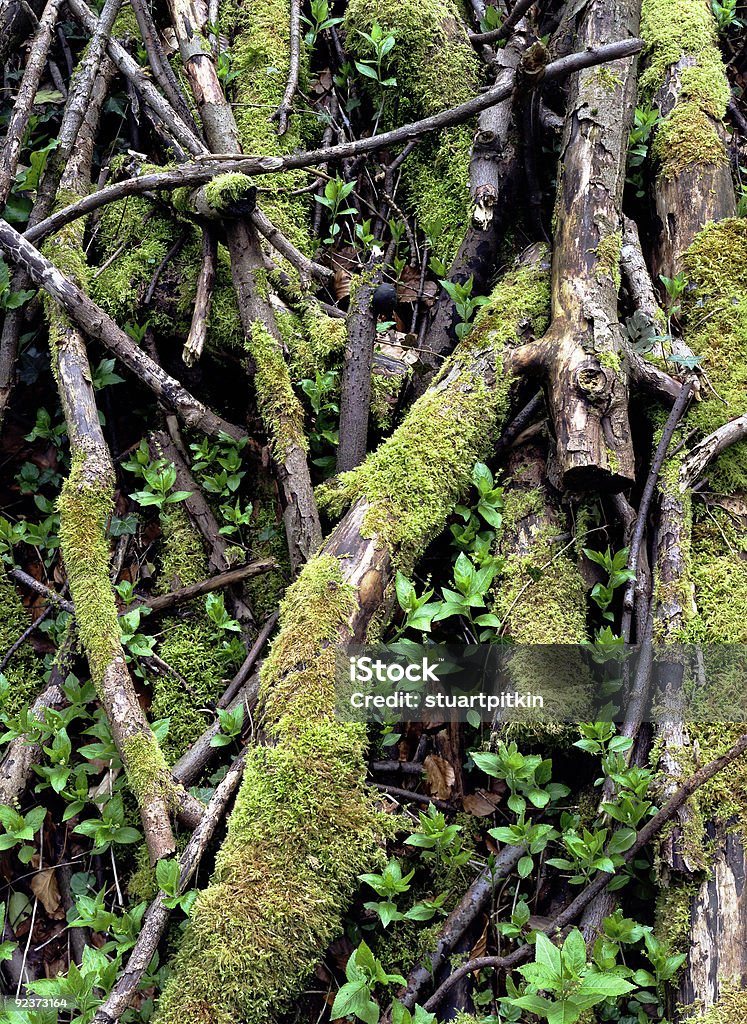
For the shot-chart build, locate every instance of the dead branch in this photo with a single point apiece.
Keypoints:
(203, 299)
(211, 165)
(224, 579)
(355, 390)
(98, 324)
(284, 111)
(25, 100)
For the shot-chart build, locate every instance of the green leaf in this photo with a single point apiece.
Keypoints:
(547, 953)
(525, 866)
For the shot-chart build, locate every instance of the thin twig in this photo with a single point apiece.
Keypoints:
(285, 109)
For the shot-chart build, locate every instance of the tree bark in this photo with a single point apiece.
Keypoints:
(588, 385)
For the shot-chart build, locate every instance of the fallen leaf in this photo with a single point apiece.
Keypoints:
(440, 776)
(44, 887)
(480, 803)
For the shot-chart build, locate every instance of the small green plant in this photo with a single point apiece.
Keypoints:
(390, 884)
(617, 575)
(226, 74)
(8, 298)
(6, 948)
(84, 987)
(572, 984)
(363, 972)
(381, 44)
(110, 828)
(231, 724)
(20, 829)
(103, 375)
(675, 287)
(44, 429)
(319, 21)
(219, 465)
(159, 477)
(234, 518)
(168, 877)
(437, 840)
(491, 19)
(526, 775)
(215, 607)
(726, 14)
(466, 304)
(336, 192)
(645, 120)
(136, 644)
(324, 433)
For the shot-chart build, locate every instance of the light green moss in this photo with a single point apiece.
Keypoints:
(413, 480)
(385, 390)
(136, 238)
(674, 30)
(190, 645)
(226, 189)
(608, 79)
(148, 775)
(24, 671)
(608, 257)
(674, 913)
(686, 138)
(85, 506)
(302, 829)
(435, 67)
(716, 330)
(671, 29)
(260, 55)
(540, 597)
(731, 1007)
(282, 413)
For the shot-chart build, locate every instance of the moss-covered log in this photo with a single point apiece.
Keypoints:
(685, 79)
(86, 505)
(304, 825)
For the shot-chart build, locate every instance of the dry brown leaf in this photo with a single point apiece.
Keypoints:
(44, 887)
(440, 776)
(480, 803)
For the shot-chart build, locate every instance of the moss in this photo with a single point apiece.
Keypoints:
(147, 771)
(608, 257)
(302, 829)
(321, 339)
(142, 884)
(674, 30)
(608, 79)
(385, 390)
(435, 67)
(260, 56)
(24, 672)
(282, 413)
(674, 913)
(413, 480)
(225, 189)
(540, 597)
(686, 138)
(135, 238)
(732, 1006)
(716, 330)
(85, 506)
(190, 645)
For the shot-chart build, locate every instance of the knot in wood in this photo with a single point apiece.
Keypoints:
(592, 382)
